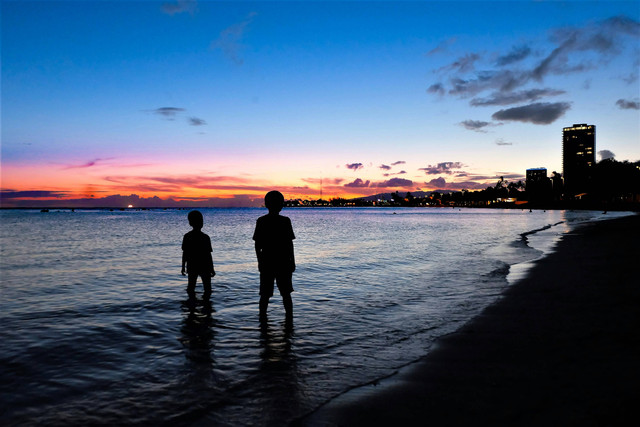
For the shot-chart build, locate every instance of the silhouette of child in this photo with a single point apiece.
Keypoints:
(274, 249)
(196, 257)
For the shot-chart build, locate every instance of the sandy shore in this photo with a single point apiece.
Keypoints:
(561, 348)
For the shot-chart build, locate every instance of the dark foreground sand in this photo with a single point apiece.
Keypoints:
(561, 348)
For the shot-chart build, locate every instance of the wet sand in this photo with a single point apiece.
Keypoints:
(560, 348)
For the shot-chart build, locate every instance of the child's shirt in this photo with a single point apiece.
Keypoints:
(274, 234)
(197, 251)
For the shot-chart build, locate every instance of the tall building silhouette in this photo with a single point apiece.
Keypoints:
(578, 158)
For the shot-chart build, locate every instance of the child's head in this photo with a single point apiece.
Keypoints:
(274, 201)
(195, 219)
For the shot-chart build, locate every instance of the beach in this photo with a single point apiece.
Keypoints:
(560, 347)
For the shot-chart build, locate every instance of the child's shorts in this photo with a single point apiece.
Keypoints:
(283, 279)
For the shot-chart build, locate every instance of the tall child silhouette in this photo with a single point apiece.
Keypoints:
(274, 248)
(196, 257)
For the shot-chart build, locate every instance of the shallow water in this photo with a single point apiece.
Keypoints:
(96, 329)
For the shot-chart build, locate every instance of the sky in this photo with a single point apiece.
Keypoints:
(208, 103)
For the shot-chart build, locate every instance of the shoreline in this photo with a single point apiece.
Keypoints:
(559, 347)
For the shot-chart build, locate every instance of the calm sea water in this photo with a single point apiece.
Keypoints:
(95, 329)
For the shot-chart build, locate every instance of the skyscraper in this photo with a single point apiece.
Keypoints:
(578, 158)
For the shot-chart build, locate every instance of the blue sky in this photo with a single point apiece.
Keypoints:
(227, 99)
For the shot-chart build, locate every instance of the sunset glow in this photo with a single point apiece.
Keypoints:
(213, 104)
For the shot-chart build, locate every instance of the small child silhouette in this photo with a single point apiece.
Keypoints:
(274, 249)
(196, 257)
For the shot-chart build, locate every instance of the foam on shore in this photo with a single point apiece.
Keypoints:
(561, 348)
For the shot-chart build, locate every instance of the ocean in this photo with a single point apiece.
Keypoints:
(96, 329)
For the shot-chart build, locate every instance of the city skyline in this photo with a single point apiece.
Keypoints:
(208, 102)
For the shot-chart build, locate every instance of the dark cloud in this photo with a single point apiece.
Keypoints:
(439, 183)
(573, 50)
(501, 80)
(464, 64)
(396, 173)
(631, 77)
(605, 39)
(624, 104)
(318, 181)
(517, 54)
(88, 164)
(399, 162)
(442, 47)
(33, 194)
(502, 142)
(437, 88)
(358, 183)
(385, 167)
(606, 154)
(395, 182)
(442, 168)
(541, 113)
(168, 113)
(354, 166)
(194, 121)
(499, 98)
(229, 40)
(475, 125)
(180, 6)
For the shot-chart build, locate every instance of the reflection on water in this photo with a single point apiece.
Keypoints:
(198, 333)
(278, 372)
(96, 331)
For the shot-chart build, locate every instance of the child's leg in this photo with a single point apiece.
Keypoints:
(191, 285)
(264, 303)
(286, 287)
(206, 284)
(288, 304)
(266, 291)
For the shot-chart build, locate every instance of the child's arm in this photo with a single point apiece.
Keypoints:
(213, 271)
(292, 257)
(184, 263)
(258, 253)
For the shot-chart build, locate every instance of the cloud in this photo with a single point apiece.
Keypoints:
(437, 88)
(475, 125)
(395, 182)
(399, 162)
(502, 142)
(180, 6)
(440, 183)
(464, 64)
(567, 50)
(498, 98)
(33, 194)
(354, 166)
(517, 54)
(606, 154)
(624, 104)
(358, 183)
(385, 167)
(442, 168)
(194, 121)
(540, 113)
(604, 38)
(402, 172)
(168, 113)
(327, 181)
(502, 80)
(229, 39)
(88, 164)
(442, 47)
